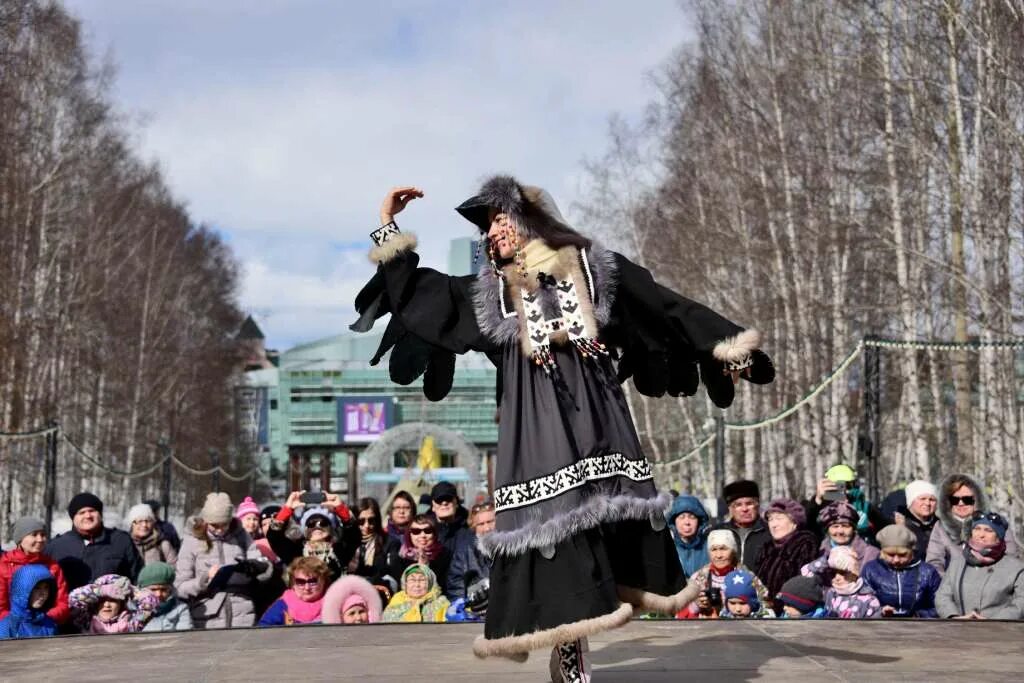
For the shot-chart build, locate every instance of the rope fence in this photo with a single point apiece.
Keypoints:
(837, 372)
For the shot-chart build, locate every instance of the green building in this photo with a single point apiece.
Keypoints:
(316, 408)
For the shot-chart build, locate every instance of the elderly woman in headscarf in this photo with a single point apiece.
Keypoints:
(705, 591)
(688, 522)
(982, 581)
(420, 598)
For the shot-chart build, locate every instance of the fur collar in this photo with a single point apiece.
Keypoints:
(496, 311)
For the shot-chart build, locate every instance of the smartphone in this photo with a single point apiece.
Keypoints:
(313, 497)
(838, 494)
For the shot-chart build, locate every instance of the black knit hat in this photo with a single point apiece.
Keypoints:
(744, 488)
(269, 511)
(84, 500)
(802, 593)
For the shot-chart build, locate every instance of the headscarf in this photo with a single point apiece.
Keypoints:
(431, 607)
(693, 554)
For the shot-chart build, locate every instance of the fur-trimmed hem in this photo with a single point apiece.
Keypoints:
(738, 348)
(596, 511)
(401, 242)
(645, 601)
(514, 647)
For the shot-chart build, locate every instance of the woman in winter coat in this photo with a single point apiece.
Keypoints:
(960, 496)
(377, 558)
(219, 547)
(422, 546)
(30, 536)
(848, 596)
(839, 522)
(400, 514)
(171, 613)
(420, 598)
(982, 581)
(688, 522)
(329, 533)
(303, 602)
(791, 546)
(33, 591)
(705, 591)
(111, 604)
(148, 538)
(905, 586)
(352, 600)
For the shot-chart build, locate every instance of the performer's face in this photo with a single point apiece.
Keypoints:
(502, 234)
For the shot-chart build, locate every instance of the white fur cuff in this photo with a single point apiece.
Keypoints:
(515, 647)
(399, 243)
(737, 349)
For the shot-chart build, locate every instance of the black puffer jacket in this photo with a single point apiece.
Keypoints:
(112, 552)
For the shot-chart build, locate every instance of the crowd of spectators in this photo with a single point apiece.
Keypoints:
(927, 552)
(313, 559)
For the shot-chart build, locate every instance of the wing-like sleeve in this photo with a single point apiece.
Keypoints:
(671, 344)
(432, 316)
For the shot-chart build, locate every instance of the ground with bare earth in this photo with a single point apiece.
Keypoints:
(642, 651)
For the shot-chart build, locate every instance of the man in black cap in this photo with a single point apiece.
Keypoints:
(90, 549)
(451, 517)
(743, 499)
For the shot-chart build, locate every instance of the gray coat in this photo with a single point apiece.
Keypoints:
(177, 618)
(995, 591)
(197, 556)
(948, 536)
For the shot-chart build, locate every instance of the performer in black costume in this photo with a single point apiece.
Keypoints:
(580, 538)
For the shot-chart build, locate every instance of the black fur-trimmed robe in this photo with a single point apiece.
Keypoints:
(580, 534)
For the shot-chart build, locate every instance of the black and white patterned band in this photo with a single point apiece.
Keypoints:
(384, 233)
(735, 366)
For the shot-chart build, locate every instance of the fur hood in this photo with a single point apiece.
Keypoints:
(944, 510)
(531, 208)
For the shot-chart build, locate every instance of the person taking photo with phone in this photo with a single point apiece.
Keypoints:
(840, 483)
(329, 531)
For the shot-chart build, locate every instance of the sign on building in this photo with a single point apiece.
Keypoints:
(362, 419)
(252, 415)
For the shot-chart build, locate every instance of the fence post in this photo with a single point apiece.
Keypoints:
(869, 440)
(165, 484)
(215, 456)
(51, 475)
(720, 449)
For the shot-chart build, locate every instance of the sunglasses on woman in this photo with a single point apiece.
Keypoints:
(318, 524)
(306, 582)
(962, 500)
(417, 531)
(367, 521)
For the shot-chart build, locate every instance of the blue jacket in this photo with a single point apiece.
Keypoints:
(693, 554)
(910, 590)
(468, 566)
(23, 621)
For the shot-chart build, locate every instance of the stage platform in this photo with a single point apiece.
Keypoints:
(643, 651)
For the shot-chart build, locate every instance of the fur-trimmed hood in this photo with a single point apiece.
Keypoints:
(944, 510)
(340, 591)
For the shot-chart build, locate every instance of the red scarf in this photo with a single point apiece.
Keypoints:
(984, 555)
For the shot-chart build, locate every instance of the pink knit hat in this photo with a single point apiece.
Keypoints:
(352, 601)
(247, 507)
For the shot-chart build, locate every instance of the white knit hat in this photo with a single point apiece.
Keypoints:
(722, 537)
(140, 511)
(918, 488)
(842, 558)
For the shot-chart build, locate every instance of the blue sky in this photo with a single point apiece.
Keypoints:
(283, 123)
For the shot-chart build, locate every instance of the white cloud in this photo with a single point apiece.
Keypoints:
(284, 127)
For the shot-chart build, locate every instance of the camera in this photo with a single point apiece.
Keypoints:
(714, 597)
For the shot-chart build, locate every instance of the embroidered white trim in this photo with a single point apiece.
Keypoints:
(589, 275)
(570, 477)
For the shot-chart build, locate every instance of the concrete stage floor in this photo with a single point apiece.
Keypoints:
(640, 652)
